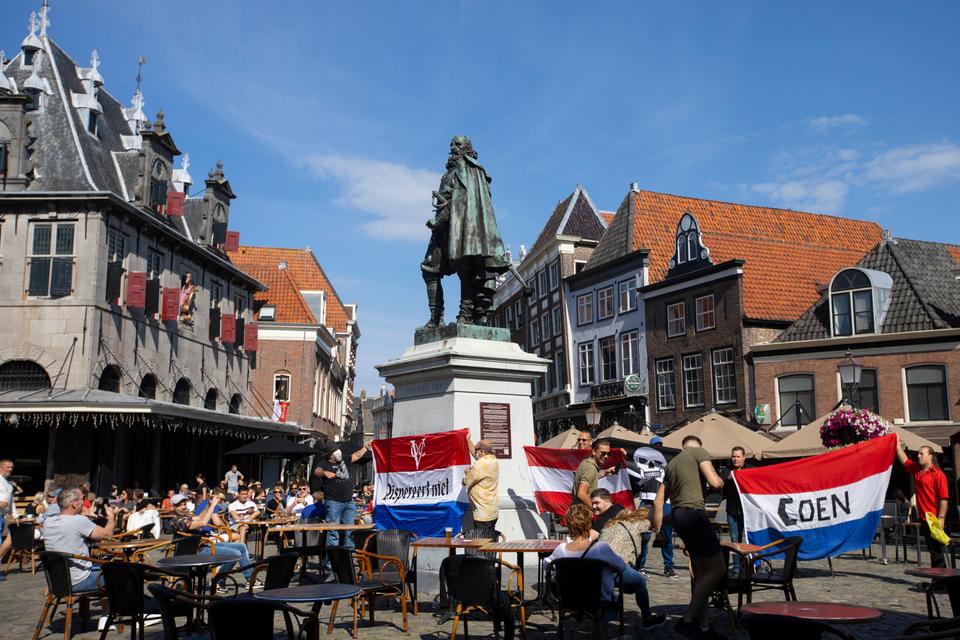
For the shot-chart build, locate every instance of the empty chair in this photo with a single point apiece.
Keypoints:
(277, 572)
(124, 583)
(578, 586)
(474, 584)
(393, 565)
(781, 580)
(253, 619)
(23, 546)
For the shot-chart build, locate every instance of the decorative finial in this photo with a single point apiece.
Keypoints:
(137, 100)
(94, 60)
(219, 173)
(158, 125)
(32, 25)
(140, 64)
(185, 162)
(44, 17)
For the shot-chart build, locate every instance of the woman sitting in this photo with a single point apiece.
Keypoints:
(579, 521)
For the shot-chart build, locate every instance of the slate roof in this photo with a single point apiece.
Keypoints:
(788, 254)
(925, 293)
(575, 215)
(304, 272)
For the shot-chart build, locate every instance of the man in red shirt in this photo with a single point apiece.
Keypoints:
(930, 485)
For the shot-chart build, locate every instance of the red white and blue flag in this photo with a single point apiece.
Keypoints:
(552, 472)
(833, 500)
(419, 482)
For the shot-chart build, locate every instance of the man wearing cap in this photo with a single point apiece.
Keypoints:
(338, 491)
(482, 481)
(186, 522)
(53, 509)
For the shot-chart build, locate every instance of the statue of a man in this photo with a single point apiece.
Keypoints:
(465, 238)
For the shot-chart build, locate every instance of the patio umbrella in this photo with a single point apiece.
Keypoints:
(806, 442)
(566, 440)
(272, 447)
(622, 434)
(719, 434)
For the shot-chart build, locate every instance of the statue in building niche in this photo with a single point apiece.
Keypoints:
(464, 239)
(188, 294)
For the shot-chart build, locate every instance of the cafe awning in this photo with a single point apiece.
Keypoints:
(719, 434)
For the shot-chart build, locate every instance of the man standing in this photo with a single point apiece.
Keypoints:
(584, 440)
(482, 481)
(68, 533)
(589, 472)
(604, 510)
(931, 493)
(7, 506)
(738, 457)
(683, 485)
(338, 491)
(233, 478)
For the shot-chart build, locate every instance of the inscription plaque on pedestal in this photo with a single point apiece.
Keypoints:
(495, 427)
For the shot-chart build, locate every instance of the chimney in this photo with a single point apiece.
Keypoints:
(634, 187)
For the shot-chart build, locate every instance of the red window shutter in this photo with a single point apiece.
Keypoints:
(171, 304)
(228, 328)
(233, 241)
(136, 290)
(175, 203)
(251, 339)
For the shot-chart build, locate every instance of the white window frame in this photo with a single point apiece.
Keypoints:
(630, 353)
(277, 377)
(586, 363)
(554, 275)
(665, 383)
(719, 362)
(605, 303)
(677, 326)
(628, 293)
(693, 380)
(585, 309)
(608, 368)
(557, 317)
(704, 314)
(534, 332)
(517, 315)
(542, 283)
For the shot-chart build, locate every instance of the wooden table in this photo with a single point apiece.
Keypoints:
(323, 528)
(521, 547)
(129, 548)
(743, 548)
(831, 612)
(317, 594)
(263, 528)
(933, 574)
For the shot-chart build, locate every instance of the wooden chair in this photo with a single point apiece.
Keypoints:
(56, 570)
(578, 586)
(23, 546)
(392, 565)
(474, 584)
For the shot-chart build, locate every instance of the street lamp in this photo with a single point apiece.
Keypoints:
(593, 415)
(632, 418)
(850, 371)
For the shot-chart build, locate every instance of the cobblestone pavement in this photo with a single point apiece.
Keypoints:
(857, 581)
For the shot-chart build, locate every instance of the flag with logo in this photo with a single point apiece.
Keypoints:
(552, 472)
(419, 482)
(833, 500)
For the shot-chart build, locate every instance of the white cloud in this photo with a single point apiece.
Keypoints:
(915, 167)
(805, 195)
(397, 196)
(824, 124)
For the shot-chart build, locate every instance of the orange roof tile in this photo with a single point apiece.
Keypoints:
(302, 269)
(282, 293)
(787, 253)
(607, 216)
(955, 252)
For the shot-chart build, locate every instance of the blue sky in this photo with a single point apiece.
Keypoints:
(333, 119)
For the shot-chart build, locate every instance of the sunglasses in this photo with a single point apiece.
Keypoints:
(583, 439)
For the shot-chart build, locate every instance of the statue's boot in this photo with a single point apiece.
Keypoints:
(434, 301)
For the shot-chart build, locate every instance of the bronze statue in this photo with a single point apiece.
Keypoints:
(465, 239)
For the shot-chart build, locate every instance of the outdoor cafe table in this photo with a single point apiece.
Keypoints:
(521, 547)
(197, 566)
(442, 543)
(128, 548)
(323, 527)
(933, 574)
(263, 527)
(829, 612)
(317, 594)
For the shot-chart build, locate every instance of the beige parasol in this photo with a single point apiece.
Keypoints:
(618, 432)
(806, 442)
(719, 434)
(566, 440)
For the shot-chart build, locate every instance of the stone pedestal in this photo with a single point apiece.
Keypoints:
(440, 386)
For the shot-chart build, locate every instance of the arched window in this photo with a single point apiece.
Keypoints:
(148, 387)
(235, 401)
(158, 184)
(851, 301)
(681, 249)
(110, 379)
(689, 247)
(23, 375)
(181, 393)
(210, 402)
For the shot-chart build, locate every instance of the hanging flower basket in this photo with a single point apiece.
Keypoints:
(850, 426)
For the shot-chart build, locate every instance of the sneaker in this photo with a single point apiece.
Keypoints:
(670, 573)
(653, 620)
(257, 585)
(686, 628)
(642, 571)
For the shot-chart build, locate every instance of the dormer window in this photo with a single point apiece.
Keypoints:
(92, 123)
(689, 251)
(858, 300)
(28, 56)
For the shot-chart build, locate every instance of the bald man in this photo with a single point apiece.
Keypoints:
(482, 481)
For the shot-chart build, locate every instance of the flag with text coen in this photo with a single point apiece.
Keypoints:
(419, 482)
(552, 472)
(833, 500)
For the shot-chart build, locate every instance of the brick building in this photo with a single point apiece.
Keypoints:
(538, 322)
(308, 341)
(897, 310)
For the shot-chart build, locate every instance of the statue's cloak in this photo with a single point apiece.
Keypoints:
(472, 233)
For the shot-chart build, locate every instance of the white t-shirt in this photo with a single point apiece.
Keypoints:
(6, 495)
(242, 510)
(599, 551)
(233, 480)
(291, 501)
(68, 534)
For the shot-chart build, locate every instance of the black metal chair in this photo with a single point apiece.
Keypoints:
(186, 544)
(474, 584)
(253, 619)
(932, 630)
(952, 587)
(124, 584)
(393, 565)
(23, 545)
(768, 578)
(347, 572)
(578, 586)
(764, 627)
(56, 570)
(279, 571)
(173, 604)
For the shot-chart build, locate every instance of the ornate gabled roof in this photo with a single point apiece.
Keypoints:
(788, 254)
(576, 216)
(925, 293)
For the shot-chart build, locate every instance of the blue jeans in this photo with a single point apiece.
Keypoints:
(735, 523)
(343, 513)
(89, 583)
(666, 551)
(240, 548)
(632, 581)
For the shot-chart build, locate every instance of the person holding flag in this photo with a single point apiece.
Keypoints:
(585, 480)
(931, 492)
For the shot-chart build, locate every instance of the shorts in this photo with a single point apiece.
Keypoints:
(694, 528)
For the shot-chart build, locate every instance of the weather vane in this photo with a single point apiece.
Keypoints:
(140, 64)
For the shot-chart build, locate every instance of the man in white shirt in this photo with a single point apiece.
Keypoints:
(7, 506)
(68, 533)
(243, 509)
(299, 502)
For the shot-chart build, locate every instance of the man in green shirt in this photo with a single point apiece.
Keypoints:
(585, 480)
(683, 484)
